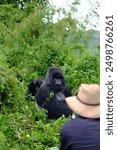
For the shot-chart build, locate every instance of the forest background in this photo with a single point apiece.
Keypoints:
(28, 47)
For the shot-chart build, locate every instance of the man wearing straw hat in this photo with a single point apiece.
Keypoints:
(83, 132)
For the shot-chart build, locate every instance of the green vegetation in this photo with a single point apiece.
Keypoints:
(28, 47)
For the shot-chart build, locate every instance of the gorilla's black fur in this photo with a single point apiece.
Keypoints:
(34, 86)
(52, 93)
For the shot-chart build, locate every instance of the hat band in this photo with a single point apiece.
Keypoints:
(87, 103)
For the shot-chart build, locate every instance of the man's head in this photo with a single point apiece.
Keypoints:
(87, 101)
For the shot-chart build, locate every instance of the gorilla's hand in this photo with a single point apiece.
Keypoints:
(60, 97)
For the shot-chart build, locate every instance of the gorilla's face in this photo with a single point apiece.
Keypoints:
(55, 79)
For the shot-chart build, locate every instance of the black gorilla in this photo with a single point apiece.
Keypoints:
(34, 86)
(51, 95)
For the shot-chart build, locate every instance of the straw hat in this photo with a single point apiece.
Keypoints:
(87, 101)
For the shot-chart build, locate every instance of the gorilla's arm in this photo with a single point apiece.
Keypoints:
(67, 91)
(45, 98)
(43, 95)
(53, 102)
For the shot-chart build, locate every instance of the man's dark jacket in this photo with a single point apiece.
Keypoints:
(80, 134)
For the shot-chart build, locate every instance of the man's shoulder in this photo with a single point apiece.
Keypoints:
(79, 123)
(68, 126)
(76, 130)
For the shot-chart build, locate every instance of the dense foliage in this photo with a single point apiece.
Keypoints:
(28, 47)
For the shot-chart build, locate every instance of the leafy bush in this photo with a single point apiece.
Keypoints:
(9, 88)
(3, 141)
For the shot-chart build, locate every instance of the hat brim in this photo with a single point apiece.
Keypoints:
(82, 109)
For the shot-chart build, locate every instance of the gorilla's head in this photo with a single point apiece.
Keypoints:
(55, 78)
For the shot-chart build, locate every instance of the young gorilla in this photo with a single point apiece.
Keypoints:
(51, 95)
(34, 86)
